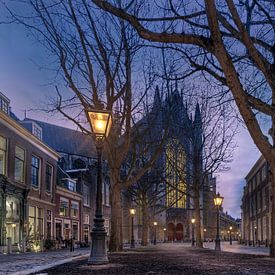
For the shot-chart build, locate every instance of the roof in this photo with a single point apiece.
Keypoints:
(16, 127)
(65, 140)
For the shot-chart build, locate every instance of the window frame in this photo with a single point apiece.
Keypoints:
(5, 152)
(38, 173)
(16, 158)
(49, 191)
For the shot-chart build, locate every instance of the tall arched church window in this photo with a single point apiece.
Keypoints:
(175, 174)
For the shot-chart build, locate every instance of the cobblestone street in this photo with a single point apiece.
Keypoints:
(173, 259)
(33, 262)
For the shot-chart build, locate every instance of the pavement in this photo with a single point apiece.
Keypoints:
(168, 258)
(172, 259)
(238, 248)
(27, 263)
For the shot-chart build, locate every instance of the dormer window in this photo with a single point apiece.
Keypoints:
(37, 131)
(4, 104)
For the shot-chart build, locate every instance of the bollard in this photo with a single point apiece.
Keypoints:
(9, 245)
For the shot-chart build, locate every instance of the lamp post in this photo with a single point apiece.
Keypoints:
(204, 234)
(132, 213)
(218, 199)
(193, 229)
(100, 121)
(230, 234)
(254, 243)
(155, 233)
(164, 233)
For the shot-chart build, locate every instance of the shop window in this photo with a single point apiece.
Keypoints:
(64, 208)
(3, 155)
(36, 221)
(19, 169)
(75, 230)
(86, 234)
(39, 220)
(49, 178)
(49, 224)
(35, 171)
(74, 209)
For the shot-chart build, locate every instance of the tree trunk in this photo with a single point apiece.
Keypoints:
(272, 239)
(197, 218)
(116, 214)
(145, 226)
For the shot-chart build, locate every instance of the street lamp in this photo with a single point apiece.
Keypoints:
(204, 233)
(132, 213)
(193, 237)
(155, 234)
(164, 232)
(218, 199)
(230, 234)
(254, 243)
(100, 121)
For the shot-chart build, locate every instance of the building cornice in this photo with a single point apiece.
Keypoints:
(25, 134)
(258, 164)
(41, 201)
(64, 192)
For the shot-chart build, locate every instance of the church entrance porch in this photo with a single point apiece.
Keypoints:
(175, 232)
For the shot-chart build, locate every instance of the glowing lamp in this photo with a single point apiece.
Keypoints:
(218, 200)
(155, 223)
(132, 211)
(101, 122)
(193, 221)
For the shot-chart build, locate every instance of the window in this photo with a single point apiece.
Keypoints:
(49, 224)
(49, 177)
(86, 195)
(37, 131)
(31, 220)
(74, 209)
(4, 105)
(36, 221)
(35, 171)
(19, 169)
(75, 230)
(86, 219)
(72, 185)
(64, 207)
(175, 175)
(3, 155)
(39, 220)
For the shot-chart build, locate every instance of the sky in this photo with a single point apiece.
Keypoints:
(27, 86)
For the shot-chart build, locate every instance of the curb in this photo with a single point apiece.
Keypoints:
(47, 266)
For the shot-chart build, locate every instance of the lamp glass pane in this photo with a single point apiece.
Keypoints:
(99, 122)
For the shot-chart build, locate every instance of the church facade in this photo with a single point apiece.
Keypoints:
(172, 208)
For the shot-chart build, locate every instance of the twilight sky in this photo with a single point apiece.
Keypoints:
(24, 83)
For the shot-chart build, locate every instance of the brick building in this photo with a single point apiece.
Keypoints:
(256, 205)
(27, 186)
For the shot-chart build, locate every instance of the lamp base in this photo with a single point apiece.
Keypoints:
(218, 245)
(98, 254)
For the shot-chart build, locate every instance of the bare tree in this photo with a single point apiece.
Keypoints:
(211, 144)
(94, 54)
(233, 42)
